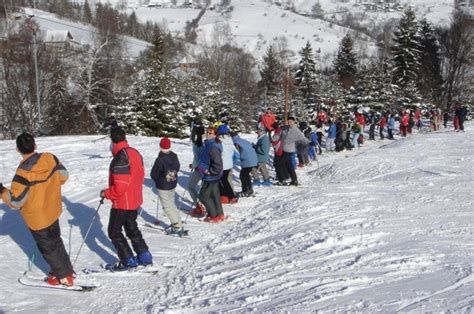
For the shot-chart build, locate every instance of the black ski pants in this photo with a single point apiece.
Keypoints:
(125, 219)
(224, 186)
(52, 248)
(320, 140)
(390, 134)
(288, 166)
(372, 132)
(245, 179)
(303, 153)
(280, 169)
(210, 196)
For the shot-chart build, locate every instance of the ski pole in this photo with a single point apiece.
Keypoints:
(88, 230)
(182, 197)
(188, 213)
(70, 235)
(31, 262)
(157, 221)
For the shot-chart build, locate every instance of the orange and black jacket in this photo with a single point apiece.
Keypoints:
(36, 190)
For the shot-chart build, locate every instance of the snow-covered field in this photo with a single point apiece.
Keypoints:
(385, 228)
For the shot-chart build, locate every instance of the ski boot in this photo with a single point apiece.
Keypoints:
(178, 231)
(145, 258)
(66, 281)
(123, 265)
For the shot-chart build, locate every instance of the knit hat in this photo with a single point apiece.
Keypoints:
(165, 145)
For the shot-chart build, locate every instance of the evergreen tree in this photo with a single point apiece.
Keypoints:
(125, 111)
(332, 95)
(228, 111)
(374, 88)
(271, 71)
(86, 13)
(58, 101)
(345, 64)
(133, 25)
(156, 111)
(406, 53)
(207, 100)
(317, 10)
(157, 53)
(306, 75)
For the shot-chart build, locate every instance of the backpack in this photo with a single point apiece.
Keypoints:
(277, 145)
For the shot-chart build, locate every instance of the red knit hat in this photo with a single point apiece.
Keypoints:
(165, 144)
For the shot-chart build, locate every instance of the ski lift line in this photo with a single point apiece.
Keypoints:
(88, 30)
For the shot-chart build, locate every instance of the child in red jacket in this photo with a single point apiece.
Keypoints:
(126, 177)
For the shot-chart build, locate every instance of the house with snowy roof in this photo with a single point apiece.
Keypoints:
(60, 40)
(188, 64)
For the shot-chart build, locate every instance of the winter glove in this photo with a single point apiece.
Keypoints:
(102, 194)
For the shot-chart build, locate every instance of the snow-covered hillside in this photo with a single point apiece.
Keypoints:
(388, 228)
(436, 11)
(81, 33)
(255, 24)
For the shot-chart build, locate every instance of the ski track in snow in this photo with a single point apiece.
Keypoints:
(389, 228)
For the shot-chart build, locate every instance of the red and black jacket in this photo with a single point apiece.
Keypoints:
(126, 177)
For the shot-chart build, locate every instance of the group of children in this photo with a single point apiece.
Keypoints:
(216, 150)
(214, 158)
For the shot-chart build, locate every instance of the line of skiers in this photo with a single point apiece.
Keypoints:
(36, 186)
(213, 161)
(336, 134)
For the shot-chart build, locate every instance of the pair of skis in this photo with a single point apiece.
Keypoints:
(41, 281)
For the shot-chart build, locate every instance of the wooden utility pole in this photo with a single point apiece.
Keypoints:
(287, 82)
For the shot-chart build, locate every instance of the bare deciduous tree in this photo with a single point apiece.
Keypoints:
(457, 45)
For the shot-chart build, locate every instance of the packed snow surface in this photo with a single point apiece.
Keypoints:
(388, 227)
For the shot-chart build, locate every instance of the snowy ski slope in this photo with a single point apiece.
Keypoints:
(385, 228)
